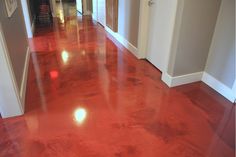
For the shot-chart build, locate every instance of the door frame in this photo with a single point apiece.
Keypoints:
(26, 12)
(143, 36)
(52, 7)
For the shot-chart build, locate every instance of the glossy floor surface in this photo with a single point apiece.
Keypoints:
(87, 96)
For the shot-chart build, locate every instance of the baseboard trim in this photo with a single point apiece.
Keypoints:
(181, 80)
(24, 78)
(124, 42)
(219, 87)
(234, 91)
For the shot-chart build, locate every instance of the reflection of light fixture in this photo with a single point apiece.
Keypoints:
(54, 74)
(80, 115)
(64, 56)
(83, 52)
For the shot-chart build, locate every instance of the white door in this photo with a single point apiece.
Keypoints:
(102, 12)
(79, 6)
(161, 25)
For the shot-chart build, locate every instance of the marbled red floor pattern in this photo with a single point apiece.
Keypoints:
(124, 109)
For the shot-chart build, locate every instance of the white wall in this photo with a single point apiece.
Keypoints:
(128, 25)
(101, 10)
(128, 20)
(193, 39)
(79, 6)
(14, 57)
(221, 60)
(203, 46)
(10, 101)
(95, 10)
(16, 39)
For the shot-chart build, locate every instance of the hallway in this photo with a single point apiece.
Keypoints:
(88, 96)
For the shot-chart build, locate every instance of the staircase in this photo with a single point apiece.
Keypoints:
(44, 16)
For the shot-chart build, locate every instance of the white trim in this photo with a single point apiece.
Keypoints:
(52, 7)
(123, 41)
(228, 93)
(24, 78)
(180, 80)
(95, 10)
(219, 86)
(25, 10)
(10, 102)
(167, 79)
(234, 91)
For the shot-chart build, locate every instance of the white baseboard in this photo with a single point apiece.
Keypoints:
(180, 80)
(220, 87)
(24, 78)
(124, 42)
(167, 79)
(234, 90)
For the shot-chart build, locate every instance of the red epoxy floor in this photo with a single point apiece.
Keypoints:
(90, 97)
